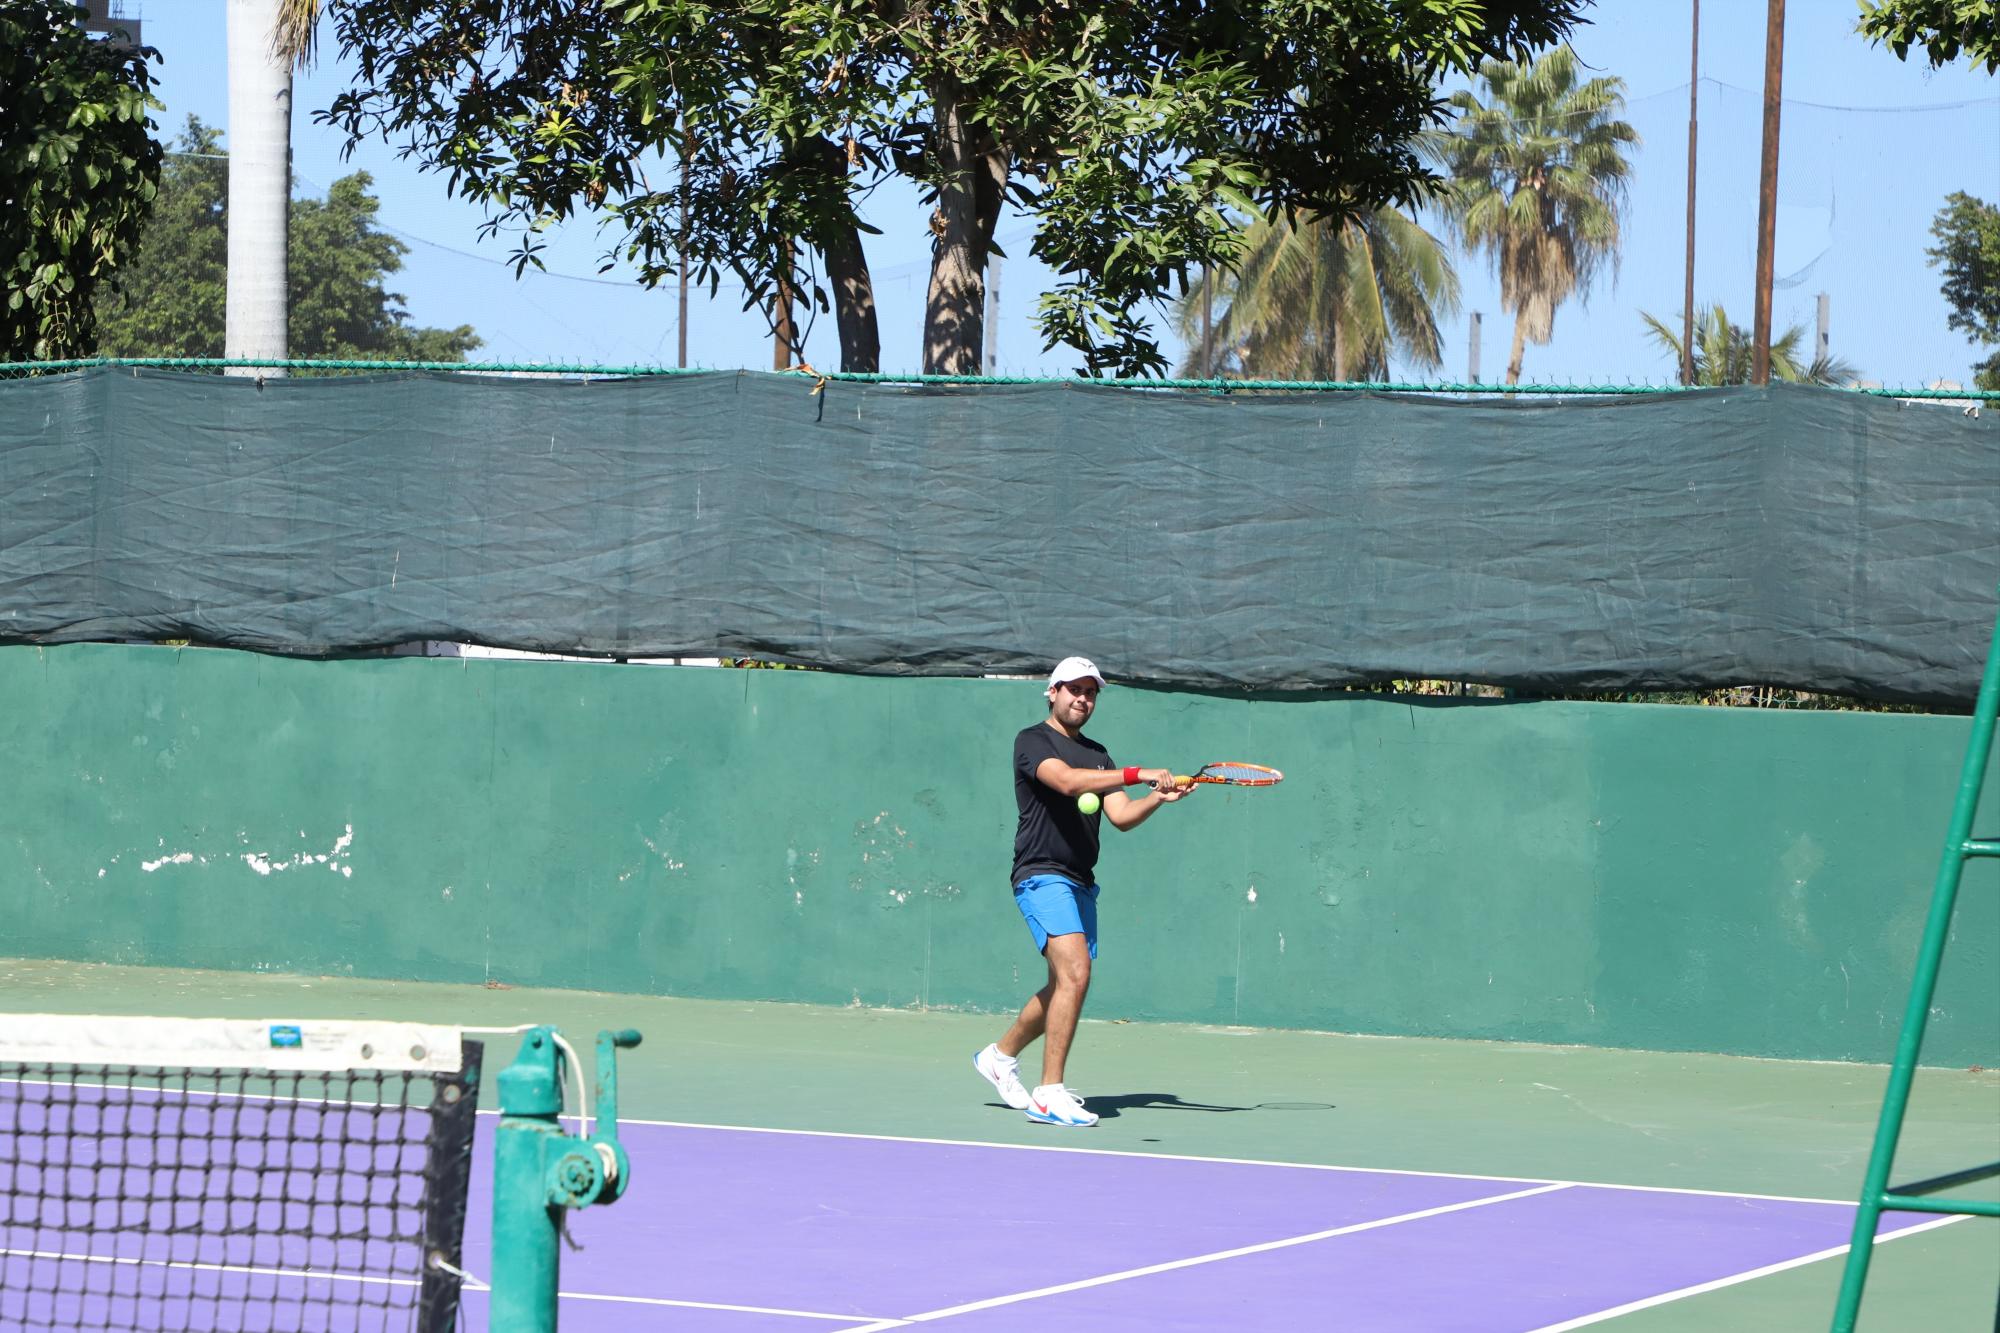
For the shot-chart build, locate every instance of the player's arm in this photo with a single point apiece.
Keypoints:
(1070, 781)
(1128, 812)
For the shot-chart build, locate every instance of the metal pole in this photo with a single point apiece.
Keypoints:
(1767, 191)
(1910, 1041)
(526, 1228)
(1687, 289)
(1472, 349)
(989, 359)
(1823, 345)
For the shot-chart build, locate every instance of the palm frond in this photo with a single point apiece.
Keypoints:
(294, 36)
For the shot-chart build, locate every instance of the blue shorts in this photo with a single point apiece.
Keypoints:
(1056, 905)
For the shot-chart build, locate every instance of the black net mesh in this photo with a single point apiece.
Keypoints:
(186, 1199)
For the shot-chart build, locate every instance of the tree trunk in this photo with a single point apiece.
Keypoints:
(1338, 304)
(1520, 348)
(954, 310)
(853, 288)
(854, 304)
(260, 187)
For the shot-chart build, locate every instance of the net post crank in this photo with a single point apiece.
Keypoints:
(539, 1172)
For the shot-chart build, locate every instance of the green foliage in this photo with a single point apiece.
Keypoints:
(1724, 352)
(1130, 133)
(78, 170)
(1968, 234)
(1538, 183)
(1319, 299)
(1945, 29)
(171, 300)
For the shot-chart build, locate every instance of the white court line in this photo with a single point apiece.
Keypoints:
(403, 1281)
(328, 1275)
(882, 1325)
(1665, 1297)
(1545, 1187)
(1116, 1152)
(713, 1305)
(1234, 1161)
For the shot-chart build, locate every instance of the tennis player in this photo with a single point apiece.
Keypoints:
(1055, 858)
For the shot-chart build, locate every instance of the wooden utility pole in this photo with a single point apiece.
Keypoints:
(1687, 287)
(687, 161)
(781, 312)
(1767, 191)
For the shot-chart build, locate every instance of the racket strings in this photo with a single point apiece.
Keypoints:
(1240, 772)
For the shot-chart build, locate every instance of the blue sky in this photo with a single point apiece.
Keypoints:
(1870, 147)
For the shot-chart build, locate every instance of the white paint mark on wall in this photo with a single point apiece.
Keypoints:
(333, 860)
(177, 859)
(1253, 893)
(666, 858)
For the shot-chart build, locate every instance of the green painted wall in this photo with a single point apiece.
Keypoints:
(1617, 875)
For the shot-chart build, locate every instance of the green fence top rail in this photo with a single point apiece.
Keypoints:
(817, 377)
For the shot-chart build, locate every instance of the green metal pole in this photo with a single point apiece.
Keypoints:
(526, 1229)
(1944, 896)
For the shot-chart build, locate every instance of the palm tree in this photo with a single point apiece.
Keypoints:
(260, 182)
(1538, 183)
(1722, 352)
(1317, 299)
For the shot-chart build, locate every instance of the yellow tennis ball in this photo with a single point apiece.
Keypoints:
(1088, 803)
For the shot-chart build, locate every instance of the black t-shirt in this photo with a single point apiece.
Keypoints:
(1053, 837)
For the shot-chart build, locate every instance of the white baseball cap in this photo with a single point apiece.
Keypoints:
(1075, 668)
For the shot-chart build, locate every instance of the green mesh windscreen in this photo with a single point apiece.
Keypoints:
(1807, 538)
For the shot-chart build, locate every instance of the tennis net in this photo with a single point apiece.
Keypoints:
(259, 1176)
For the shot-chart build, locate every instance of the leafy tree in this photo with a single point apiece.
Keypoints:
(78, 170)
(1328, 299)
(1723, 352)
(1124, 129)
(1539, 174)
(1968, 249)
(1945, 29)
(170, 301)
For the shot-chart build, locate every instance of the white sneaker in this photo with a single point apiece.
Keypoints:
(1004, 1073)
(1053, 1104)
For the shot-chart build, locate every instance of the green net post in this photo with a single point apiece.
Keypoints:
(1959, 846)
(539, 1171)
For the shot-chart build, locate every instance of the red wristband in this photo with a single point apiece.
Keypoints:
(1131, 775)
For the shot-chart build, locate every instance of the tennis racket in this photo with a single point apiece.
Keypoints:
(1234, 775)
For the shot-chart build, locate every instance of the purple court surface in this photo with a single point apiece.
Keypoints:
(749, 1231)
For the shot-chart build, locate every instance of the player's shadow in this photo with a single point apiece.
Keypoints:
(1108, 1108)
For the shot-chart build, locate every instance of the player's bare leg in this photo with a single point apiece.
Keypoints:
(1029, 1023)
(1060, 1002)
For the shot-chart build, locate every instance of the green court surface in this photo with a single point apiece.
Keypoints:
(1679, 1121)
